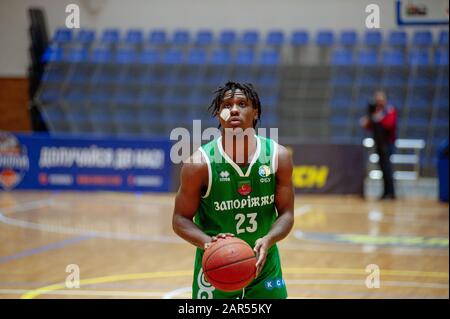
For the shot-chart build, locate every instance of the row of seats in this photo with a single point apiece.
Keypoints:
(253, 37)
(195, 56)
(201, 56)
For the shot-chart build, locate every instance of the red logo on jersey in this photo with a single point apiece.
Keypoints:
(244, 188)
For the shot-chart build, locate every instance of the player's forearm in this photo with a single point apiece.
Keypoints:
(186, 229)
(281, 228)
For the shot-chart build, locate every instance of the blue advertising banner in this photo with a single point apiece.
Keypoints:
(35, 161)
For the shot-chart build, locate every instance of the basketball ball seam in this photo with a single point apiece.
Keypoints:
(212, 253)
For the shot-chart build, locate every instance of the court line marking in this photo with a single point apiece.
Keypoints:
(177, 292)
(185, 290)
(75, 231)
(358, 249)
(157, 275)
(45, 248)
(78, 292)
(113, 278)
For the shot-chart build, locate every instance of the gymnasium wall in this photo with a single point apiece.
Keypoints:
(14, 105)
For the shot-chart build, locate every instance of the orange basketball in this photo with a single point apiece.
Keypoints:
(229, 264)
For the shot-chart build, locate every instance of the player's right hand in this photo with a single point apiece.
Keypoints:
(217, 237)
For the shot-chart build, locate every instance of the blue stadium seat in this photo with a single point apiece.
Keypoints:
(101, 55)
(62, 35)
(75, 96)
(250, 38)
(149, 56)
(348, 38)
(275, 38)
(340, 127)
(52, 54)
(49, 95)
(158, 37)
(219, 66)
(269, 57)
(267, 74)
(181, 37)
(441, 57)
(204, 38)
(443, 38)
(150, 97)
(77, 55)
(110, 36)
(422, 38)
(325, 38)
(221, 57)
(418, 57)
(342, 57)
(440, 128)
(342, 72)
(198, 98)
(243, 66)
(192, 73)
(393, 58)
(373, 38)
(197, 57)
(124, 97)
(134, 36)
(341, 99)
(441, 100)
(100, 96)
(245, 57)
(417, 128)
(126, 56)
(299, 38)
(269, 100)
(420, 98)
(227, 37)
(367, 58)
(173, 56)
(398, 39)
(85, 36)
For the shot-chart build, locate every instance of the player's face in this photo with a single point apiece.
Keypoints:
(241, 111)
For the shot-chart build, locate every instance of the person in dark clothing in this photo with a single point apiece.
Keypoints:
(382, 121)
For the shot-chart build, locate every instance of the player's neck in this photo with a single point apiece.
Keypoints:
(240, 148)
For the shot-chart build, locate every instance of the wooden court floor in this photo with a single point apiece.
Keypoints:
(123, 246)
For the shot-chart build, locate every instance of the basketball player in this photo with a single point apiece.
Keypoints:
(237, 185)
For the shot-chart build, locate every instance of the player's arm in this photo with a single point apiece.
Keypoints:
(193, 178)
(284, 202)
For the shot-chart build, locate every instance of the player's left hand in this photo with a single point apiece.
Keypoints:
(262, 246)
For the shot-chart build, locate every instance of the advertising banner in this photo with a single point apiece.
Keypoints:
(328, 168)
(35, 161)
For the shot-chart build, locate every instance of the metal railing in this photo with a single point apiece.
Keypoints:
(399, 160)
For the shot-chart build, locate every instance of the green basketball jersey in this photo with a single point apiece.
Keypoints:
(239, 199)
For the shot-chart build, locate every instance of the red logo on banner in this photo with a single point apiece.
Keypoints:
(8, 178)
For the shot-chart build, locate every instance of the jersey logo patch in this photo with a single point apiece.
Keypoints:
(244, 188)
(264, 171)
(224, 176)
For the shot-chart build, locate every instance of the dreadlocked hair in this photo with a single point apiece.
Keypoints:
(246, 88)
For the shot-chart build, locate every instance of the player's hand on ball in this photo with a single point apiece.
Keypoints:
(217, 237)
(262, 245)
